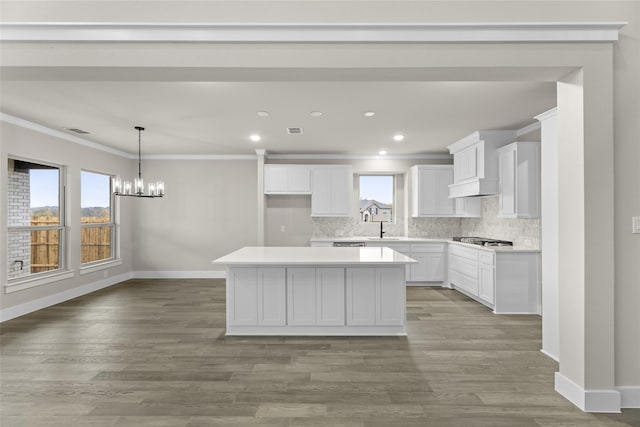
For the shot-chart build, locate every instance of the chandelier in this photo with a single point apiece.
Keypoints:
(124, 188)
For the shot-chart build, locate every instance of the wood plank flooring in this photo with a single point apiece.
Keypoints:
(153, 353)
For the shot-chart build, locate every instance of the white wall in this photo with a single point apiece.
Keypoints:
(208, 211)
(588, 262)
(36, 146)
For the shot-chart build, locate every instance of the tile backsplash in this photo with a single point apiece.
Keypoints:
(522, 232)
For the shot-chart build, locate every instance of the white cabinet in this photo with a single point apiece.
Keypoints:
(475, 163)
(430, 194)
(375, 296)
(486, 277)
(258, 296)
(519, 171)
(506, 281)
(330, 296)
(390, 301)
(430, 257)
(301, 296)
(331, 190)
(361, 296)
(287, 179)
(430, 190)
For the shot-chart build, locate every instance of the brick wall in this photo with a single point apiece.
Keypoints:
(19, 243)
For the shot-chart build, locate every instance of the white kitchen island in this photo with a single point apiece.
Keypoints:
(316, 291)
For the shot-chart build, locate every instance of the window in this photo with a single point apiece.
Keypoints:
(97, 223)
(376, 198)
(35, 228)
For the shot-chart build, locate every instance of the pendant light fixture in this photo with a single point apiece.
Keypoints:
(124, 188)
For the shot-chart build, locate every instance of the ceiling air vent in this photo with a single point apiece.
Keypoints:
(78, 131)
(294, 131)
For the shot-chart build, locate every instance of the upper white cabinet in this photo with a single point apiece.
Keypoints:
(430, 194)
(287, 179)
(430, 190)
(475, 163)
(519, 171)
(331, 190)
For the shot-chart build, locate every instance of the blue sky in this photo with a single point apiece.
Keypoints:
(378, 188)
(95, 188)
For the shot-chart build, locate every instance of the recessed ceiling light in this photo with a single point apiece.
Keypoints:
(315, 113)
(262, 113)
(255, 137)
(382, 152)
(398, 137)
(369, 113)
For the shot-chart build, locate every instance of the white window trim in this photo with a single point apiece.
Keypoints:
(41, 279)
(114, 258)
(99, 265)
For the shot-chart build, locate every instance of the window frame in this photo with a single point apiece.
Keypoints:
(393, 196)
(62, 272)
(113, 250)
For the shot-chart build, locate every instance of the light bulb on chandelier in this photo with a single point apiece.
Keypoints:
(125, 188)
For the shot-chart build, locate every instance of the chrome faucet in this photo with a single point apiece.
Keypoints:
(381, 230)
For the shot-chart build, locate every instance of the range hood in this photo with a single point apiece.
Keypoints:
(475, 163)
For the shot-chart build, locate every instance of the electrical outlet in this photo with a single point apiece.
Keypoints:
(105, 274)
(283, 229)
(635, 221)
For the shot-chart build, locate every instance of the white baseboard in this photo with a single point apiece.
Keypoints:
(588, 400)
(630, 396)
(207, 274)
(552, 356)
(40, 303)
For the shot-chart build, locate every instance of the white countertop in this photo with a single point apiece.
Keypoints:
(399, 239)
(270, 255)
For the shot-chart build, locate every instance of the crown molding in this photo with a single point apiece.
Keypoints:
(7, 118)
(199, 156)
(527, 129)
(525, 32)
(433, 156)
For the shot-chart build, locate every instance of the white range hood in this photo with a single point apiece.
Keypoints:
(475, 163)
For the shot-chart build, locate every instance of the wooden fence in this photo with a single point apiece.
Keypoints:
(95, 243)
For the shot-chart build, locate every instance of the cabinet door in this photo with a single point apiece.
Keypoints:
(487, 283)
(300, 179)
(435, 267)
(418, 272)
(321, 191)
(276, 179)
(272, 297)
(361, 296)
(507, 195)
(330, 296)
(390, 296)
(465, 164)
(301, 296)
(341, 188)
(243, 293)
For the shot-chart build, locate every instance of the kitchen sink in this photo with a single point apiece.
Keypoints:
(383, 238)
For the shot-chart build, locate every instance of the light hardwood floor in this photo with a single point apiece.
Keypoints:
(153, 353)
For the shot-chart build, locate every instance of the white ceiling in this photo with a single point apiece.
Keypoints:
(218, 117)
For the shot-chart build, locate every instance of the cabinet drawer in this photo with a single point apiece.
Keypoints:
(464, 252)
(427, 247)
(486, 258)
(463, 265)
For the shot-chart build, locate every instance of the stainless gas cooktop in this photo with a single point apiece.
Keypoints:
(482, 241)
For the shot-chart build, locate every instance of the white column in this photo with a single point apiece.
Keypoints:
(261, 205)
(549, 239)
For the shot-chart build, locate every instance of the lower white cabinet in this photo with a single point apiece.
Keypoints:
(430, 257)
(506, 281)
(257, 296)
(301, 296)
(375, 296)
(330, 296)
